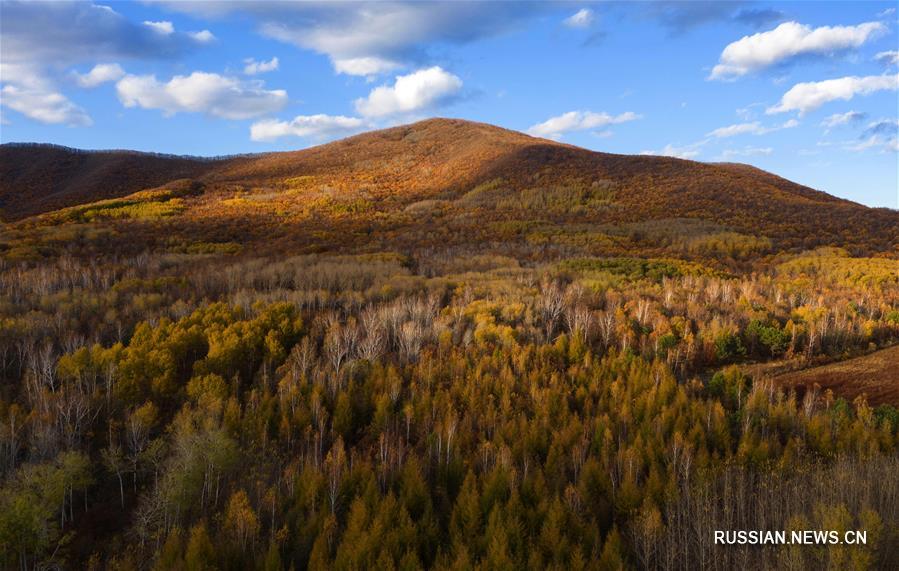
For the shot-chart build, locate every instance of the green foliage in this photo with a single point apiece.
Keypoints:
(140, 208)
(772, 338)
(730, 386)
(729, 347)
(30, 507)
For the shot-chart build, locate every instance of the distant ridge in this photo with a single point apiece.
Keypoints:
(75, 150)
(36, 178)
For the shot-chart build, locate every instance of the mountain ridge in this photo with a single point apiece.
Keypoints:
(102, 165)
(516, 177)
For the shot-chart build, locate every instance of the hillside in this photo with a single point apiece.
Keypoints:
(458, 169)
(40, 178)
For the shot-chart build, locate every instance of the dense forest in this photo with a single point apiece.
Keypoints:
(259, 369)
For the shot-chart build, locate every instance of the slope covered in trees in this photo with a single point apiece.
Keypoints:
(445, 346)
(40, 178)
(432, 164)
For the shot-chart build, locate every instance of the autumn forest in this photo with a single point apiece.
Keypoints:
(444, 346)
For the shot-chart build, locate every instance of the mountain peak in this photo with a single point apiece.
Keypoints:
(444, 159)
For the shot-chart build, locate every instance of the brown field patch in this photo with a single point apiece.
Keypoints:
(876, 376)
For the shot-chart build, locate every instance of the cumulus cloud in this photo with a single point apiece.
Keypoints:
(786, 41)
(44, 106)
(73, 32)
(805, 97)
(165, 28)
(583, 18)
(99, 74)
(318, 127)
(366, 66)
(888, 58)
(362, 38)
(419, 90)
(200, 92)
(40, 37)
(254, 67)
(203, 36)
(838, 119)
(27, 91)
(556, 127)
(753, 128)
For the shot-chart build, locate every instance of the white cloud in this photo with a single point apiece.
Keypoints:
(350, 33)
(99, 74)
(685, 152)
(788, 40)
(41, 38)
(165, 28)
(200, 92)
(44, 106)
(739, 129)
(753, 128)
(203, 36)
(365, 66)
(556, 127)
(871, 142)
(318, 127)
(26, 90)
(746, 152)
(68, 33)
(419, 90)
(838, 119)
(805, 97)
(254, 67)
(890, 57)
(583, 18)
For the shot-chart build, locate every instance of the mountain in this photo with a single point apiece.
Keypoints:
(402, 177)
(40, 178)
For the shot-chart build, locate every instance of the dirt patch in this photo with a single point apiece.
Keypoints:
(876, 376)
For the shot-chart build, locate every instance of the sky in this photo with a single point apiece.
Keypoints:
(807, 90)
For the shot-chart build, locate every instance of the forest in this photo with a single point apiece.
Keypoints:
(287, 375)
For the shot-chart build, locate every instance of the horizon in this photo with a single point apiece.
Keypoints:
(807, 91)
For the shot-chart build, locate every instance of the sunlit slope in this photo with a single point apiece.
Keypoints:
(446, 182)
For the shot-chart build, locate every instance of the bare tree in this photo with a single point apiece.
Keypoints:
(552, 304)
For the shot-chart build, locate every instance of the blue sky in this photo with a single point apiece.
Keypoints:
(807, 90)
